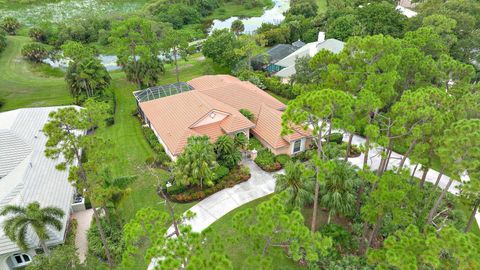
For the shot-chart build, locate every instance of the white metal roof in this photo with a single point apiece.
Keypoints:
(309, 50)
(26, 175)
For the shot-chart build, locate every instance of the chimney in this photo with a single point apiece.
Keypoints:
(321, 36)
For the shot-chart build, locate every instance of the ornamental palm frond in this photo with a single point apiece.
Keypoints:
(338, 189)
(298, 183)
(34, 217)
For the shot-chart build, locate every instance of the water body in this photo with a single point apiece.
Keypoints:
(273, 15)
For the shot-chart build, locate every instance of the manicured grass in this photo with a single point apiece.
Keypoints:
(238, 251)
(22, 85)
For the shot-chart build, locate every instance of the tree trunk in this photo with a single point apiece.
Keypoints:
(360, 191)
(265, 247)
(472, 218)
(317, 184)
(385, 166)
(405, 156)
(414, 170)
(44, 247)
(329, 217)
(439, 200)
(107, 214)
(424, 176)
(365, 153)
(363, 240)
(103, 237)
(176, 64)
(170, 210)
(376, 228)
(349, 146)
(438, 179)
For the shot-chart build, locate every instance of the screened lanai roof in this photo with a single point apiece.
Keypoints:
(161, 91)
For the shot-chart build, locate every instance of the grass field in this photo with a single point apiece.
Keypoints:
(21, 86)
(238, 251)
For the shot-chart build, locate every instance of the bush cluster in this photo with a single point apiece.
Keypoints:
(113, 233)
(161, 157)
(304, 156)
(3, 40)
(266, 160)
(283, 159)
(35, 52)
(336, 138)
(183, 195)
(10, 25)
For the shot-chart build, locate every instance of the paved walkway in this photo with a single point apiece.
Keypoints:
(262, 183)
(217, 205)
(84, 219)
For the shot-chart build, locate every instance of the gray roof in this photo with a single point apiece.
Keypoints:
(274, 54)
(298, 44)
(309, 50)
(26, 174)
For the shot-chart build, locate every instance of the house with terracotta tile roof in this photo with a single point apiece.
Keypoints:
(209, 105)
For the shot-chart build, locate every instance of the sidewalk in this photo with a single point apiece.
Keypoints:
(84, 219)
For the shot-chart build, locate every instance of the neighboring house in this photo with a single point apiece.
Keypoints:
(26, 175)
(266, 61)
(209, 105)
(406, 11)
(287, 64)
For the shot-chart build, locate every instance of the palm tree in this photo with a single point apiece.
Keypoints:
(298, 182)
(338, 189)
(32, 216)
(227, 152)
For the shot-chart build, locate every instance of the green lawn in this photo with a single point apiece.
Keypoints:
(22, 86)
(238, 251)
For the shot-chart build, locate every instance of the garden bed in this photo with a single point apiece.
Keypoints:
(183, 195)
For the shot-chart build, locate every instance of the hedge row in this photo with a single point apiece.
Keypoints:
(235, 176)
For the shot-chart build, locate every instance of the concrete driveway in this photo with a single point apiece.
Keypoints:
(217, 205)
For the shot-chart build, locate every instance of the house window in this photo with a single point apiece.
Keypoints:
(297, 146)
(20, 260)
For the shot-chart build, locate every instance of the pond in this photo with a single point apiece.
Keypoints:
(273, 15)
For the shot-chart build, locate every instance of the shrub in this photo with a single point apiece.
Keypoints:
(304, 156)
(254, 143)
(3, 40)
(10, 25)
(110, 121)
(113, 233)
(152, 139)
(220, 172)
(35, 52)
(248, 114)
(266, 160)
(37, 34)
(235, 176)
(283, 159)
(336, 138)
